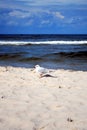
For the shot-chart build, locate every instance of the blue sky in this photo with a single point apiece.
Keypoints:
(43, 17)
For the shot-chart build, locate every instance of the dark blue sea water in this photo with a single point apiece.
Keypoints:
(51, 51)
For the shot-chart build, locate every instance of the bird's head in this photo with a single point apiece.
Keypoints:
(36, 66)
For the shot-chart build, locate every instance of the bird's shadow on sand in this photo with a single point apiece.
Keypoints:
(48, 75)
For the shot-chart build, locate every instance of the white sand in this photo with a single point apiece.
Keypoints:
(28, 102)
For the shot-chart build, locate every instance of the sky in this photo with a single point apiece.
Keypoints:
(43, 16)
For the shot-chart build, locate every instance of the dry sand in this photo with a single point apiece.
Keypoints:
(28, 102)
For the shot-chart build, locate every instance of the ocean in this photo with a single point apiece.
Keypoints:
(50, 51)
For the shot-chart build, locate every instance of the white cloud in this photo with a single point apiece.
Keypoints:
(36, 6)
(58, 15)
(19, 14)
(48, 2)
(43, 11)
(45, 22)
(32, 4)
(48, 13)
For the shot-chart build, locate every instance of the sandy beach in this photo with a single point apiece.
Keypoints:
(56, 102)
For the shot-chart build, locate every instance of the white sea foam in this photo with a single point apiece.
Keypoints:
(41, 42)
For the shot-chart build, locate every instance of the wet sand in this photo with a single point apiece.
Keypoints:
(55, 102)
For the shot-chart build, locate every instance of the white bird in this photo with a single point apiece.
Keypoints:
(41, 70)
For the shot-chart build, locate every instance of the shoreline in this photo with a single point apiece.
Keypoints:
(28, 102)
(50, 65)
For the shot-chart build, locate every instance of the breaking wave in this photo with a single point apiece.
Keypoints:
(40, 42)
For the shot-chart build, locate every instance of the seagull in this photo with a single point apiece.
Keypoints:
(41, 70)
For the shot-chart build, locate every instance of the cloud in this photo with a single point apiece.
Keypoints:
(58, 15)
(27, 18)
(47, 12)
(47, 2)
(19, 14)
(45, 22)
(20, 22)
(38, 5)
(35, 4)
